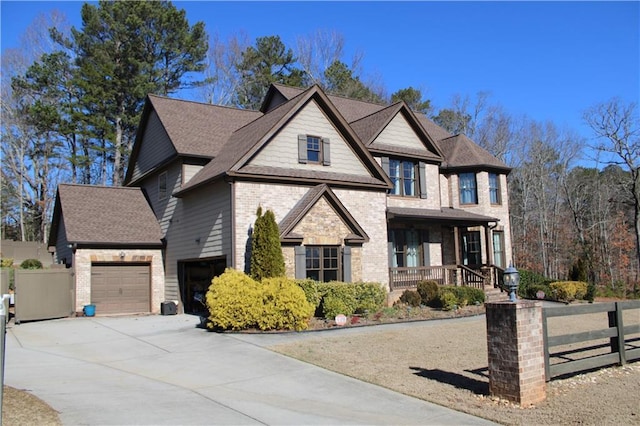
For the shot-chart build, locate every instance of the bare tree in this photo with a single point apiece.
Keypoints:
(616, 125)
(222, 77)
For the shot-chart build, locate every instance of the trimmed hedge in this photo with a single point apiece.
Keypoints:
(428, 291)
(463, 296)
(568, 291)
(31, 264)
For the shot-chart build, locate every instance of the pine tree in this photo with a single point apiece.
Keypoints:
(266, 253)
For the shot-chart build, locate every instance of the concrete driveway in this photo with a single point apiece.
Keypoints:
(165, 370)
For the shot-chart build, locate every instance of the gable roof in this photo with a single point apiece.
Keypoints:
(104, 215)
(370, 127)
(245, 142)
(461, 152)
(195, 129)
(306, 203)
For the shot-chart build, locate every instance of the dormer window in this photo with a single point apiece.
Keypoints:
(468, 188)
(313, 150)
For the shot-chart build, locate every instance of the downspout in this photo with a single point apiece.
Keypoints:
(232, 259)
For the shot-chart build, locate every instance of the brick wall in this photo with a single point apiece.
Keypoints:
(516, 351)
(82, 268)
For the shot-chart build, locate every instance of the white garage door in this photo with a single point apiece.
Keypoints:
(120, 288)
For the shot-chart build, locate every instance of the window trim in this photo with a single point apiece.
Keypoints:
(496, 190)
(163, 193)
(401, 179)
(310, 139)
(477, 239)
(321, 261)
(324, 144)
(422, 239)
(474, 188)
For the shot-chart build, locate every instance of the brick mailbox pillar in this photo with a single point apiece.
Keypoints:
(516, 351)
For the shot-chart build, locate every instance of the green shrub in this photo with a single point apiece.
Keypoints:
(464, 295)
(337, 298)
(311, 291)
(266, 252)
(370, 297)
(568, 291)
(428, 291)
(411, 298)
(591, 292)
(6, 262)
(448, 299)
(285, 306)
(531, 291)
(31, 264)
(234, 301)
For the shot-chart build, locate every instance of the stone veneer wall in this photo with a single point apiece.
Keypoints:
(369, 262)
(83, 259)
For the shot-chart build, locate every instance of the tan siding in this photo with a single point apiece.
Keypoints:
(399, 133)
(188, 171)
(282, 150)
(163, 209)
(155, 148)
(199, 228)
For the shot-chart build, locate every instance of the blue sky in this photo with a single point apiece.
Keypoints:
(546, 60)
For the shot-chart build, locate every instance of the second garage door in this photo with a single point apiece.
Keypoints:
(120, 289)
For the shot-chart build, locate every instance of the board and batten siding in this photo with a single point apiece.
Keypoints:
(156, 147)
(282, 149)
(200, 228)
(399, 133)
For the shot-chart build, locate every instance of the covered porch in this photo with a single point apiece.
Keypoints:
(449, 246)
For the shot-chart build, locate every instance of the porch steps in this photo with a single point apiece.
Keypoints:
(493, 294)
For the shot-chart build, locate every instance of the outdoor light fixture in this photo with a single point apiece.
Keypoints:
(511, 281)
(122, 255)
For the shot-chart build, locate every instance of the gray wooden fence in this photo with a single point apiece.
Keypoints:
(43, 294)
(623, 340)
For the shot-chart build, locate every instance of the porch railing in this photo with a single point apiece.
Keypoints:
(405, 278)
(408, 278)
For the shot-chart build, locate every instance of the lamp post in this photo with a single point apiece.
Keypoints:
(511, 281)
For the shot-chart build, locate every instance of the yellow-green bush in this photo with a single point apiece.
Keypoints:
(338, 298)
(370, 297)
(234, 300)
(6, 262)
(568, 290)
(285, 306)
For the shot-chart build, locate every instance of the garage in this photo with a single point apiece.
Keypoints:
(121, 288)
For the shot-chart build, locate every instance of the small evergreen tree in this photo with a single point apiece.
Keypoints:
(266, 253)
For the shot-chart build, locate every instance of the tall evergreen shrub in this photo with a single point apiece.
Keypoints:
(267, 260)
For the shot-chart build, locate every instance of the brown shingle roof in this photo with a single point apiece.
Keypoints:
(370, 126)
(443, 214)
(199, 129)
(461, 152)
(106, 215)
(246, 141)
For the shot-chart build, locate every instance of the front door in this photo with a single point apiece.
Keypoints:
(471, 248)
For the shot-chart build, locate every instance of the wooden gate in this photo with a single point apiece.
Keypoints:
(43, 294)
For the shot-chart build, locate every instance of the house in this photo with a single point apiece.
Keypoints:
(361, 191)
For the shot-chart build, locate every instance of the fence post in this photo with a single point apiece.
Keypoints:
(614, 342)
(620, 330)
(516, 351)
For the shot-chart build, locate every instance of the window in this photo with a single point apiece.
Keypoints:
(406, 246)
(494, 188)
(162, 186)
(468, 191)
(323, 263)
(313, 150)
(498, 249)
(471, 254)
(403, 176)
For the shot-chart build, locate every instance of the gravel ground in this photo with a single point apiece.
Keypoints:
(445, 362)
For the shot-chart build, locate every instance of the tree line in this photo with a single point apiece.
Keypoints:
(72, 98)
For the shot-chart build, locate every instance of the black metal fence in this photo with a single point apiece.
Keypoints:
(592, 349)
